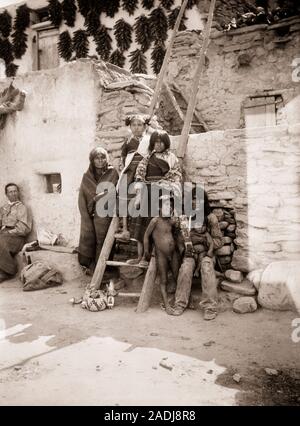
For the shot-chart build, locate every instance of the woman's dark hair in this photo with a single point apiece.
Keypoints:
(207, 208)
(159, 136)
(11, 184)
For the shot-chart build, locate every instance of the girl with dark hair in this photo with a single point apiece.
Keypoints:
(159, 170)
(133, 151)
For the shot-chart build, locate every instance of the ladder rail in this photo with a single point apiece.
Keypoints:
(165, 63)
(196, 82)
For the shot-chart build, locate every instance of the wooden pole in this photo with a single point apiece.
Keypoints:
(105, 253)
(166, 59)
(195, 87)
(148, 287)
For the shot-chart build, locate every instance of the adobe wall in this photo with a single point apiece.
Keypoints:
(249, 61)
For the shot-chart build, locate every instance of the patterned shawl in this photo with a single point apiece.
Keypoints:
(173, 177)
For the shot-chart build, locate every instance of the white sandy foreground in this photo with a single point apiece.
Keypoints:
(52, 353)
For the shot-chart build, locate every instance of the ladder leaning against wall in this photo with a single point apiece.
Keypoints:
(103, 261)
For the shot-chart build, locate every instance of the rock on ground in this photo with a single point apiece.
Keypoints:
(244, 288)
(279, 286)
(244, 305)
(234, 276)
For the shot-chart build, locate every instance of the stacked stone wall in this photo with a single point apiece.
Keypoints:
(246, 62)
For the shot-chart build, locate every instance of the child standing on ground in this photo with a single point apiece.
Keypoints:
(160, 232)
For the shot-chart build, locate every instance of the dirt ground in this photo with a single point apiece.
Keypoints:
(53, 353)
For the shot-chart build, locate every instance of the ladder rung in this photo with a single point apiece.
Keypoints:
(116, 263)
(124, 294)
(125, 241)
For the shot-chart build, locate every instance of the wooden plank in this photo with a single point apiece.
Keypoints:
(117, 263)
(166, 59)
(195, 87)
(262, 100)
(123, 294)
(59, 249)
(148, 287)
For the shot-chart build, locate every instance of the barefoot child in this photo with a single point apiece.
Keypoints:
(161, 231)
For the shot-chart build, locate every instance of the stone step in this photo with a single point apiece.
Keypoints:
(245, 288)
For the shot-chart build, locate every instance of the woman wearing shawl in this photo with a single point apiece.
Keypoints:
(159, 170)
(93, 227)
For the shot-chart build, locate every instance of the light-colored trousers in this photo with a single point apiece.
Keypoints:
(209, 299)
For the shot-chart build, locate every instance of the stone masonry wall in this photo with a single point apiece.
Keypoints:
(255, 172)
(250, 61)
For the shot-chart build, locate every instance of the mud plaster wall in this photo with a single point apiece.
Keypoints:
(225, 84)
(52, 134)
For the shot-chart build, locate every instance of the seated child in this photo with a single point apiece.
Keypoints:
(205, 237)
(203, 246)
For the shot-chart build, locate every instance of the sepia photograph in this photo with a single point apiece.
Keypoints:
(150, 205)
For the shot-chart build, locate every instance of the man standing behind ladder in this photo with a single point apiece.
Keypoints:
(15, 224)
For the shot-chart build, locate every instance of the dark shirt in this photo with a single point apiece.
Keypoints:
(129, 146)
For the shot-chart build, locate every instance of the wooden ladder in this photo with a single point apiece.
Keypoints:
(147, 290)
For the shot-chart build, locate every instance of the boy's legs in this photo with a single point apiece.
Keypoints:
(184, 285)
(209, 300)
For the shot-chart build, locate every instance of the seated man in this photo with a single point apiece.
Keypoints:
(15, 224)
(205, 238)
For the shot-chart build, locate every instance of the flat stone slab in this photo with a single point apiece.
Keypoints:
(244, 288)
(234, 276)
